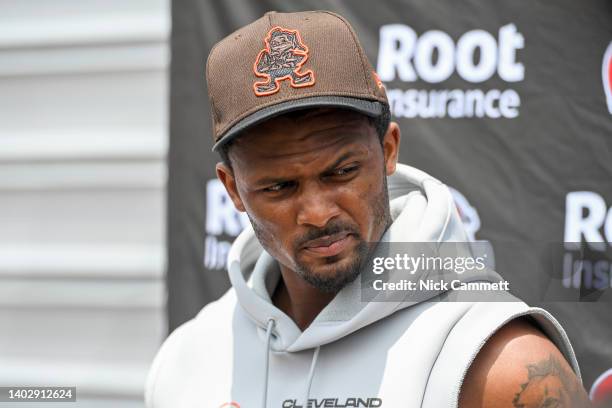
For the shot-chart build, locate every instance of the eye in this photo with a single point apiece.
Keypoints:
(278, 187)
(344, 171)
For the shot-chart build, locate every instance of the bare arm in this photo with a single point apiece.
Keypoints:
(519, 367)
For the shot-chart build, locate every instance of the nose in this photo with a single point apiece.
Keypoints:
(316, 208)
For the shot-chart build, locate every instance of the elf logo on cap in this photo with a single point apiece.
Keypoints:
(283, 57)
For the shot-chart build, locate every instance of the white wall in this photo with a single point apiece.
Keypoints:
(83, 139)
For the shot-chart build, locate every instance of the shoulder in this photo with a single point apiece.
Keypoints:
(167, 351)
(188, 347)
(520, 367)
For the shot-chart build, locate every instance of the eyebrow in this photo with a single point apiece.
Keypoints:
(340, 159)
(275, 180)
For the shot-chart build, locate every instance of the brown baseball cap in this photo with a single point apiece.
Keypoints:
(284, 62)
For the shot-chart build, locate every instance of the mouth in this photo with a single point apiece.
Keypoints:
(329, 245)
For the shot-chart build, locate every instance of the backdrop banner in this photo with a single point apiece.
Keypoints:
(507, 102)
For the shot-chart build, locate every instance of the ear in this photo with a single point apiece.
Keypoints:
(391, 144)
(226, 175)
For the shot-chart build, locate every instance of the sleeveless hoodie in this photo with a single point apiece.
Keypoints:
(242, 351)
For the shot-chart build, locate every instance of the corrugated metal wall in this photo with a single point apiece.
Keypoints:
(83, 139)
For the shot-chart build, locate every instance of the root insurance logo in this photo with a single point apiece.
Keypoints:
(606, 75)
(587, 261)
(434, 56)
(223, 224)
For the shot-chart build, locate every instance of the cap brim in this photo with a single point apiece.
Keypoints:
(367, 107)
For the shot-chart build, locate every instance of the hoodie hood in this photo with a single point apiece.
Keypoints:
(422, 209)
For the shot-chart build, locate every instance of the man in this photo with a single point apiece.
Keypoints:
(310, 155)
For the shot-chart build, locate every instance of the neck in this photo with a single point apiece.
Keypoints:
(298, 299)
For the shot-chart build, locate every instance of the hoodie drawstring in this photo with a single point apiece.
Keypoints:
(313, 364)
(315, 356)
(269, 328)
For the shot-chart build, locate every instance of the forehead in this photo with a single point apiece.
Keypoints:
(303, 133)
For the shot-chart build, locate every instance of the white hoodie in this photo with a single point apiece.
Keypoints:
(242, 351)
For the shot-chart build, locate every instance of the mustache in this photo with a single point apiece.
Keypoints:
(333, 227)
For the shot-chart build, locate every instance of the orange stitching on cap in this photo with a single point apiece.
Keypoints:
(283, 63)
(377, 79)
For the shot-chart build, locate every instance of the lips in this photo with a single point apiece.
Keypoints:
(328, 245)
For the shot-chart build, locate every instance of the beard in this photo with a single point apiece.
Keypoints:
(337, 271)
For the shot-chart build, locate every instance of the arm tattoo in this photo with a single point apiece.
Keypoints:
(549, 385)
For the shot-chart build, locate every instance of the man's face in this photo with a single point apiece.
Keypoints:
(314, 188)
